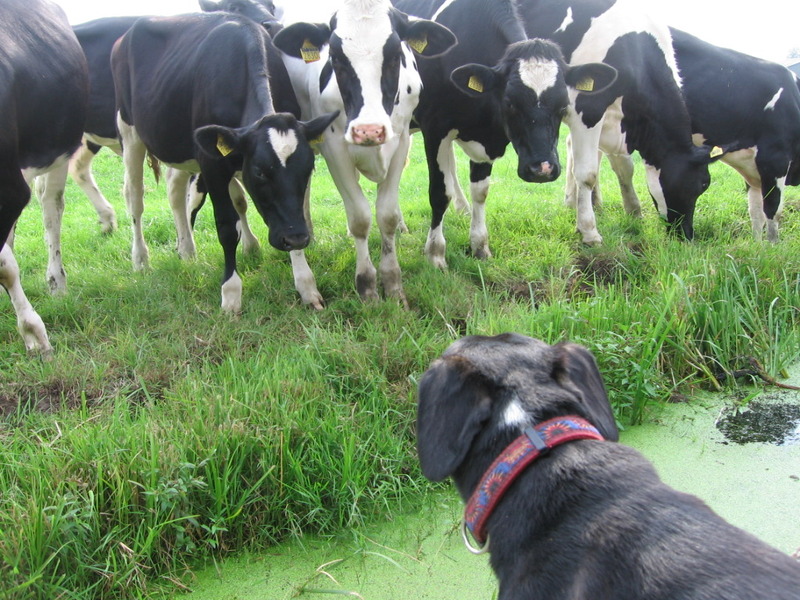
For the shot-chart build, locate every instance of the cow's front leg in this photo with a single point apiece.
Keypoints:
(773, 182)
(133, 155)
(449, 167)
(435, 246)
(250, 243)
(479, 174)
(585, 145)
(227, 222)
(29, 323)
(359, 215)
(388, 215)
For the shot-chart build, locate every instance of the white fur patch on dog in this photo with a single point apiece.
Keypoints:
(538, 75)
(514, 415)
(284, 143)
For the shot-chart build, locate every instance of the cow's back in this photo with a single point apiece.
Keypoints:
(44, 82)
(175, 74)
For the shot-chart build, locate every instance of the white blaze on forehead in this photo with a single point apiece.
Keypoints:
(538, 75)
(771, 104)
(284, 143)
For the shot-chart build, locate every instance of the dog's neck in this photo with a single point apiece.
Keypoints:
(516, 457)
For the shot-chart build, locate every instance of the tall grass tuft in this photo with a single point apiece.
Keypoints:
(163, 432)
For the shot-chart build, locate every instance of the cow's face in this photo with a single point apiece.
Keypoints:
(371, 50)
(529, 88)
(276, 163)
(678, 181)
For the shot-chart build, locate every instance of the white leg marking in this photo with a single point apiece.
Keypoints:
(654, 185)
(478, 233)
(304, 281)
(177, 181)
(80, 169)
(133, 157)
(435, 247)
(232, 295)
(52, 200)
(585, 145)
(29, 323)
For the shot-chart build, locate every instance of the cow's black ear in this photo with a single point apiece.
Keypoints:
(426, 38)
(591, 78)
(475, 80)
(313, 129)
(453, 406)
(217, 141)
(209, 5)
(576, 370)
(303, 40)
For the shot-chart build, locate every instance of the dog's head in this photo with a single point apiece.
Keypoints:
(483, 391)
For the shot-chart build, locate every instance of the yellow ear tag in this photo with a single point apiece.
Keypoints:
(716, 151)
(585, 85)
(419, 44)
(475, 84)
(222, 146)
(317, 140)
(309, 52)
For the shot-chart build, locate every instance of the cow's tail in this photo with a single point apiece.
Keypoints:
(155, 166)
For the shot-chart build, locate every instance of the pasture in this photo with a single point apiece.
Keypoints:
(163, 432)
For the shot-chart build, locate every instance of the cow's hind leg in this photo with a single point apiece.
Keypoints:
(133, 157)
(80, 169)
(177, 182)
(52, 201)
(29, 323)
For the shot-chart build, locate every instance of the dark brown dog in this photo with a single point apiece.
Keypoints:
(588, 519)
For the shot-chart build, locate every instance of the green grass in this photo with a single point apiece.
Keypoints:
(163, 432)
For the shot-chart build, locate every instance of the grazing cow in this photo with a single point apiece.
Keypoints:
(363, 65)
(193, 91)
(43, 94)
(644, 101)
(644, 106)
(763, 119)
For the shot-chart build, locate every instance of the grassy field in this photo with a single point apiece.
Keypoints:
(162, 431)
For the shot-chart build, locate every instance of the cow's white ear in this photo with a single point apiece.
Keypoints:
(208, 5)
(475, 80)
(591, 78)
(217, 141)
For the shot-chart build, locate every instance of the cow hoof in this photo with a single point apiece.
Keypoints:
(482, 253)
(315, 302)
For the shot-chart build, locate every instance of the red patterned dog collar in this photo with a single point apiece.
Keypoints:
(534, 442)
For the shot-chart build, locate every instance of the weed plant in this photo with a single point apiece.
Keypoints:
(163, 432)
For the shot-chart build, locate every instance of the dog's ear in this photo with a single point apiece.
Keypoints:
(576, 370)
(453, 406)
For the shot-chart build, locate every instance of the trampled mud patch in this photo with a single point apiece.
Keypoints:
(762, 422)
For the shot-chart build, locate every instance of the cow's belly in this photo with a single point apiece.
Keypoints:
(190, 166)
(475, 151)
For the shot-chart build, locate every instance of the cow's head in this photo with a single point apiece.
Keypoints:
(276, 161)
(369, 44)
(677, 182)
(260, 11)
(529, 86)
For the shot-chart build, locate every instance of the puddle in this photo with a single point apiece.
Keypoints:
(762, 422)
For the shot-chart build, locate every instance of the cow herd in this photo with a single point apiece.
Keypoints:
(231, 100)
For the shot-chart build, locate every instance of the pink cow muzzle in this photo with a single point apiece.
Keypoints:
(368, 135)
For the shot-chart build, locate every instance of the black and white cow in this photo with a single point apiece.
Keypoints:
(43, 94)
(363, 65)
(193, 91)
(734, 98)
(644, 106)
(97, 38)
(445, 115)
